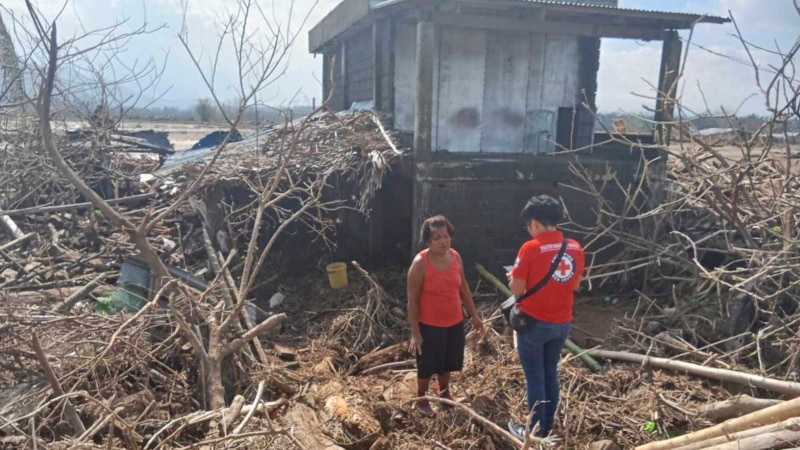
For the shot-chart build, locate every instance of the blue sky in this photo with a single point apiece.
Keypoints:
(627, 67)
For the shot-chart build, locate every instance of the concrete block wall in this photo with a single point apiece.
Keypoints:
(483, 197)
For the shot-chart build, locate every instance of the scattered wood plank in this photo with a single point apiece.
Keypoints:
(770, 384)
(307, 428)
(284, 352)
(387, 366)
(389, 354)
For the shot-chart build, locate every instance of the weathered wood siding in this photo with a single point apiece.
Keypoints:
(494, 91)
(359, 68)
(405, 78)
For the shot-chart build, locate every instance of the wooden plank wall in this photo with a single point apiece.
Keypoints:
(494, 91)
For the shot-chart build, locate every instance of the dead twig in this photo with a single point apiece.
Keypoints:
(72, 414)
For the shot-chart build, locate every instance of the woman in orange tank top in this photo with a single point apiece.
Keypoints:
(437, 290)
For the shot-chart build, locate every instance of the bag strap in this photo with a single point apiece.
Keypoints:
(535, 288)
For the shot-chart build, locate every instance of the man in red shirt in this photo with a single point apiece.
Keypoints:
(549, 309)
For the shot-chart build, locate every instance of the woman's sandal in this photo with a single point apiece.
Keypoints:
(425, 409)
(446, 395)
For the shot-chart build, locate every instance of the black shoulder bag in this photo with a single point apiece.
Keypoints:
(518, 320)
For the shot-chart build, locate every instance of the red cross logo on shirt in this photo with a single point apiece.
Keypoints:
(565, 269)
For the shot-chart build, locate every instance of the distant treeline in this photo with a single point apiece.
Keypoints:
(204, 111)
(197, 113)
(638, 123)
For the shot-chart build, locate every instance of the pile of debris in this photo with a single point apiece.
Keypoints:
(339, 376)
(355, 146)
(65, 268)
(98, 357)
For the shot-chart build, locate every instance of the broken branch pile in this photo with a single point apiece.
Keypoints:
(716, 262)
(135, 380)
(354, 146)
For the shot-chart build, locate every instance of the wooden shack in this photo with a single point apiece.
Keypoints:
(495, 98)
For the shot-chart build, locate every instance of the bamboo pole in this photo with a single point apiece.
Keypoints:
(770, 384)
(773, 414)
(571, 346)
(793, 423)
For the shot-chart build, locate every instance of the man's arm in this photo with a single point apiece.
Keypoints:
(517, 278)
(517, 285)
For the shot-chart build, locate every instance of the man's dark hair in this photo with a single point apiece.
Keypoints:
(435, 222)
(544, 209)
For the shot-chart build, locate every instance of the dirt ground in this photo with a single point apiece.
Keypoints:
(593, 319)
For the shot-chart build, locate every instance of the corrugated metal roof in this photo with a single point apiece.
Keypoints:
(647, 13)
(713, 19)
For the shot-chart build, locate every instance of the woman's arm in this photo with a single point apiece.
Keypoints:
(416, 275)
(469, 302)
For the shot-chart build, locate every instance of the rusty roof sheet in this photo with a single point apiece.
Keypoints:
(678, 15)
(579, 5)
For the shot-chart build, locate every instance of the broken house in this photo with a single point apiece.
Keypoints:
(496, 97)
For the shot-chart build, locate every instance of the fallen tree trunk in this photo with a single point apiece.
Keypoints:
(771, 415)
(571, 346)
(770, 384)
(792, 423)
(307, 429)
(735, 407)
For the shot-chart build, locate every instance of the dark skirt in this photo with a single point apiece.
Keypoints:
(442, 350)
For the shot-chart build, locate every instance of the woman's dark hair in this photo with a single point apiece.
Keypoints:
(544, 209)
(435, 222)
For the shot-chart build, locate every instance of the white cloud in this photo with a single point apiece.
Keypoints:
(627, 68)
(717, 71)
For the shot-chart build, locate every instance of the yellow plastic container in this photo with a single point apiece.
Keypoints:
(337, 275)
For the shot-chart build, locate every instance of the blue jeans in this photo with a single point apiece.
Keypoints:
(539, 350)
